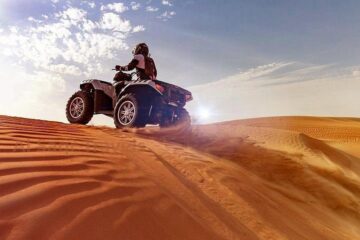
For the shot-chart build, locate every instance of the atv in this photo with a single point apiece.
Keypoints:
(132, 104)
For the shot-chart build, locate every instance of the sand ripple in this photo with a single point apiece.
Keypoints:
(271, 178)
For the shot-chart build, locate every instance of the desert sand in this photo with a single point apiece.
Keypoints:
(269, 178)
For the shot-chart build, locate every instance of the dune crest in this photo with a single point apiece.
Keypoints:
(269, 178)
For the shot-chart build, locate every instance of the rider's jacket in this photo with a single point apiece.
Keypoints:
(138, 62)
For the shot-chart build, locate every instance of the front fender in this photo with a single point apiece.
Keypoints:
(98, 85)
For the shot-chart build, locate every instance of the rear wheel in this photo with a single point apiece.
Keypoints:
(80, 108)
(128, 113)
(182, 118)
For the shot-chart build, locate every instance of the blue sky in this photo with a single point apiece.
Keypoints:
(282, 57)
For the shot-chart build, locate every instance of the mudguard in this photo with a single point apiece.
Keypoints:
(170, 88)
(140, 82)
(106, 87)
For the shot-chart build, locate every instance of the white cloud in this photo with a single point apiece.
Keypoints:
(252, 73)
(135, 6)
(13, 29)
(70, 39)
(89, 26)
(31, 19)
(138, 28)
(113, 22)
(65, 69)
(167, 2)
(116, 7)
(280, 89)
(167, 15)
(90, 4)
(152, 9)
(74, 15)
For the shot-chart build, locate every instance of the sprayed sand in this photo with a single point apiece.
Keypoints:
(270, 178)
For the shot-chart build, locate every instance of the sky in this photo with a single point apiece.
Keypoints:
(240, 58)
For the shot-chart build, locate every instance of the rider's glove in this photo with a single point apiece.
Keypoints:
(117, 68)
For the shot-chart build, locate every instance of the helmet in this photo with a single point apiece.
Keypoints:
(141, 48)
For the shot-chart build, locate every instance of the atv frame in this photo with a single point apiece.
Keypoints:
(130, 103)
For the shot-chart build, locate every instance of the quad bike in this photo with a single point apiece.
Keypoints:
(131, 104)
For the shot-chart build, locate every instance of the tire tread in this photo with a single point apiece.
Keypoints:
(88, 108)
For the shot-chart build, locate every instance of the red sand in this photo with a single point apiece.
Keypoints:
(270, 178)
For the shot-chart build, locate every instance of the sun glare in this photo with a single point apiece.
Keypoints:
(204, 113)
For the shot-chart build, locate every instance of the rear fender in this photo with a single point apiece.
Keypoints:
(141, 85)
(149, 97)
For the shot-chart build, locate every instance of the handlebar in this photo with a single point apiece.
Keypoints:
(132, 74)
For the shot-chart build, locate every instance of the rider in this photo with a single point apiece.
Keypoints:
(144, 64)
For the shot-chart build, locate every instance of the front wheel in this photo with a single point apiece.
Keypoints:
(80, 108)
(128, 112)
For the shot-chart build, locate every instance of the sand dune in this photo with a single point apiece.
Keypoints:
(270, 178)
